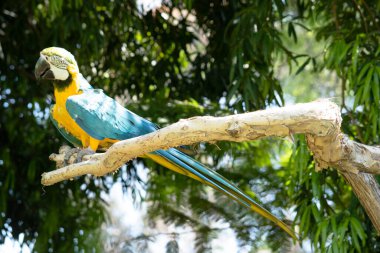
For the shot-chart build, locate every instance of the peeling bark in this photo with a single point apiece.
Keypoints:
(319, 120)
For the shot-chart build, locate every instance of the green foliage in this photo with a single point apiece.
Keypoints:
(353, 52)
(253, 39)
(184, 59)
(325, 209)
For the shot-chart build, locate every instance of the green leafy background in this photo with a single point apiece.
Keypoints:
(183, 59)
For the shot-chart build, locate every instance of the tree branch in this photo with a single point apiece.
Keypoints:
(319, 120)
(367, 190)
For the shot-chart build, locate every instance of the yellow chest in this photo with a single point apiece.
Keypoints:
(61, 115)
(64, 120)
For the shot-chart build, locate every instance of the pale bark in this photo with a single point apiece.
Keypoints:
(367, 190)
(319, 120)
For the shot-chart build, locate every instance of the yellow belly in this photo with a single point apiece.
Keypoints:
(65, 121)
(63, 118)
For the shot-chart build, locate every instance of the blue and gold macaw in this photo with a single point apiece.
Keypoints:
(89, 119)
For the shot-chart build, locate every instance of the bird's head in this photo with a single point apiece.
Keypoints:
(56, 64)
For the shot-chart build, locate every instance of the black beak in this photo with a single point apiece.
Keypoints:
(42, 69)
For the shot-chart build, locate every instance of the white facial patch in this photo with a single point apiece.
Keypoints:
(59, 74)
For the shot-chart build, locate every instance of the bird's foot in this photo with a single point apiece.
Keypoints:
(82, 153)
(68, 154)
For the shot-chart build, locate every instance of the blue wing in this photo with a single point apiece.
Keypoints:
(102, 117)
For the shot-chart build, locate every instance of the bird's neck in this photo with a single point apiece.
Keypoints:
(64, 89)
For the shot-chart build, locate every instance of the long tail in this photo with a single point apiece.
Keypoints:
(183, 164)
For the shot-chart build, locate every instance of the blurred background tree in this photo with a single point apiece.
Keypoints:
(177, 60)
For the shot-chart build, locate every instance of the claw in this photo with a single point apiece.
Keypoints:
(69, 154)
(82, 153)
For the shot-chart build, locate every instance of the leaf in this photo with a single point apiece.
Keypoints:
(324, 227)
(337, 53)
(316, 184)
(233, 91)
(355, 240)
(374, 116)
(354, 53)
(357, 226)
(251, 92)
(292, 31)
(232, 72)
(316, 213)
(367, 86)
(333, 224)
(343, 227)
(342, 49)
(375, 88)
(358, 97)
(240, 64)
(301, 68)
(363, 71)
(377, 51)
(331, 56)
(303, 26)
(316, 237)
(335, 247)
(305, 220)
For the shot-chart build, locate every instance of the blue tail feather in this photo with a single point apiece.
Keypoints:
(200, 167)
(172, 157)
(219, 183)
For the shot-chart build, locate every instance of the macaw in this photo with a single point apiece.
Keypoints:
(90, 119)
